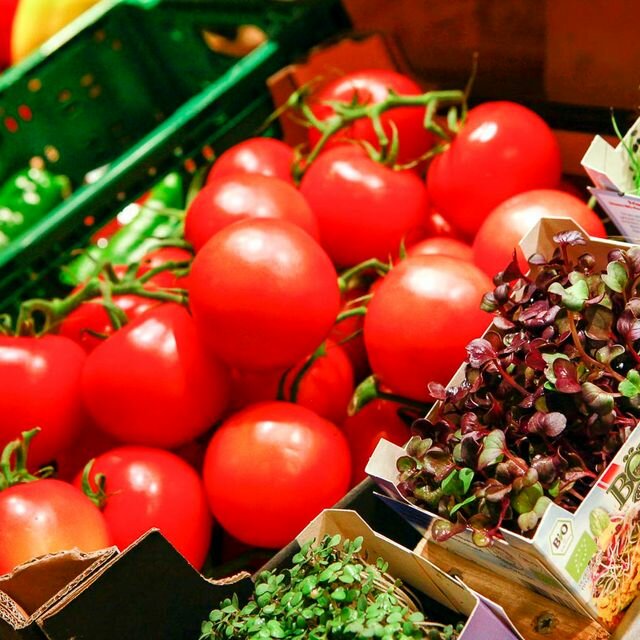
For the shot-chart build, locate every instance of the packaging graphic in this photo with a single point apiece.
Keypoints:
(588, 560)
(614, 175)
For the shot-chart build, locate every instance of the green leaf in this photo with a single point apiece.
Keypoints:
(550, 358)
(493, 447)
(528, 521)
(526, 499)
(573, 297)
(631, 386)
(459, 506)
(466, 477)
(616, 277)
(598, 521)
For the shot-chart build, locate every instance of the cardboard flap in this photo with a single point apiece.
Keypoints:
(151, 577)
(608, 166)
(540, 240)
(37, 584)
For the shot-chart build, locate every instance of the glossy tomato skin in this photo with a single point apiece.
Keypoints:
(263, 293)
(152, 384)
(442, 246)
(40, 382)
(501, 232)
(325, 387)
(371, 86)
(148, 487)
(160, 256)
(379, 419)
(46, 516)
(502, 149)
(272, 468)
(348, 332)
(364, 209)
(229, 199)
(264, 156)
(86, 324)
(421, 317)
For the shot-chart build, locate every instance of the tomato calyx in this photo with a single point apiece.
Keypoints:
(98, 495)
(294, 387)
(369, 390)
(13, 462)
(345, 113)
(48, 314)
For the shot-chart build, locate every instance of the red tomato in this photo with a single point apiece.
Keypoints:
(502, 149)
(148, 488)
(229, 199)
(325, 388)
(348, 333)
(86, 324)
(372, 86)
(438, 226)
(263, 294)
(89, 324)
(364, 209)
(421, 317)
(442, 246)
(46, 516)
(272, 468)
(502, 231)
(265, 156)
(151, 383)
(158, 257)
(90, 443)
(379, 419)
(40, 382)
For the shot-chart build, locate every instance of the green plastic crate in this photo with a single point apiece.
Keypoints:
(132, 85)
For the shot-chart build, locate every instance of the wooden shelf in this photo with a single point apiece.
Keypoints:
(536, 617)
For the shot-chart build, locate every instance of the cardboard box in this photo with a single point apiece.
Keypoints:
(558, 560)
(611, 172)
(149, 591)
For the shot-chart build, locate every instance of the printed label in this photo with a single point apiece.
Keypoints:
(581, 556)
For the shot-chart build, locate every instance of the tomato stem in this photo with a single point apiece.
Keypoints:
(373, 264)
(294, 389)
(98, 495)
(13, 462)
(369, 390)
(350, 313)
(346, 113)
(56, 310)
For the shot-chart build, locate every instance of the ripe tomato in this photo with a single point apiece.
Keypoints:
(89, 324)
(40, 382)
(326, 386)
(147, 487)
(231, 198)
(265, 156)
(160, 256)
(364, 209)
(151, 383)
(263, 294)
(46, 516)
(348, 333)
(438, 226)
(421, 317)
(501, 232)
(372, 86)
(379, 419)
(442, 246)
(273, 467)
(502, 149)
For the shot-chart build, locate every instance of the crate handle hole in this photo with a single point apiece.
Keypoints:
(248, 37)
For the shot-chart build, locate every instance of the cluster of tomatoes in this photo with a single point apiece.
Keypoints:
(233, 407)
